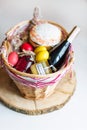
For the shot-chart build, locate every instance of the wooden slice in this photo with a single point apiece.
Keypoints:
(12, 98)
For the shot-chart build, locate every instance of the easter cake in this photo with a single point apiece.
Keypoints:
(45, 34)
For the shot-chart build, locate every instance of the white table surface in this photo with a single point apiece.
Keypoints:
(68, 13)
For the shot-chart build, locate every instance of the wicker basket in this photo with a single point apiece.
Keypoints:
(31, 85)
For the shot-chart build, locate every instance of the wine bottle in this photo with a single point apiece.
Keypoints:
(58, 53)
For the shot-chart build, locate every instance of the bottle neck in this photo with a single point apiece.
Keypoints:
(69, 39)
(73, 34)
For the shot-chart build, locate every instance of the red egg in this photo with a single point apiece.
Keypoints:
(26, 46)
(13, 58)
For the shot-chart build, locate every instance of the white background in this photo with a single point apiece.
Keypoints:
(68, 13)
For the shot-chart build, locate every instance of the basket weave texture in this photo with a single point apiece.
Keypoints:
(32, 85)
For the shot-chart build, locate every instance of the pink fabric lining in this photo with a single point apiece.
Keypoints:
(36, 82)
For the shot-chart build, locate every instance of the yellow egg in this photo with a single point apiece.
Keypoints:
(40, 48)
(42, 56)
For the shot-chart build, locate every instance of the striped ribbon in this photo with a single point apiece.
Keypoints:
(38, 83)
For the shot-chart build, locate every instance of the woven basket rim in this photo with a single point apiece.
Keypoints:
(27, 22)
(24, 74)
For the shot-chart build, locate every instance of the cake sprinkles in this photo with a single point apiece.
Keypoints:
(46, 34)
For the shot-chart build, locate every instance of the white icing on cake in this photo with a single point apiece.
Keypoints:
(46, 34)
